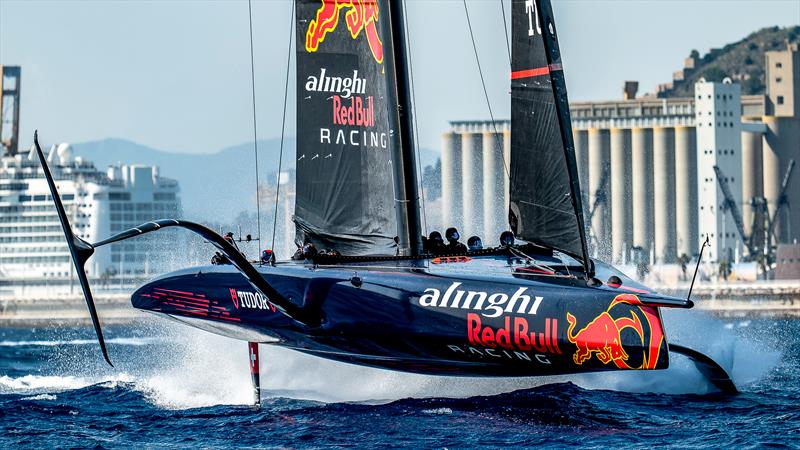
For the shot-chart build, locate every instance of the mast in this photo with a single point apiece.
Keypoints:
(404, 161)
(565, 123)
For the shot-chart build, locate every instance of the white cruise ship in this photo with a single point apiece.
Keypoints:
(33, 250)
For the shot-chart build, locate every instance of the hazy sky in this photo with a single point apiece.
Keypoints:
(175, 75)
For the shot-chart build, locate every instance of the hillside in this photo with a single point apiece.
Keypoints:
(742, 61)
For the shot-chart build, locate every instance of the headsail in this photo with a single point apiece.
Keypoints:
(346, 120)
(545, 204)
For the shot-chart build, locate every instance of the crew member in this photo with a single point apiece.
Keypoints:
(267, 257)
(474, 243)
(308, 251)
(219, 259)
(453, 246)
(506, 239)
(436, 243)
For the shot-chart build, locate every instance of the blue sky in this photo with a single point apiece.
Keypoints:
(175, 75)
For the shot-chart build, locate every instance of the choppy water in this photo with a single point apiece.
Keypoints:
(176, 387)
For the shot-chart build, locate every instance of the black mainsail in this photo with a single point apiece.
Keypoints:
(346, 127)
(545, 203)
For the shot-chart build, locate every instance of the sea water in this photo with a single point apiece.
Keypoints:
(176, 387)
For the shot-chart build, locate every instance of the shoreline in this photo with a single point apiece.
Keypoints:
(67, 311)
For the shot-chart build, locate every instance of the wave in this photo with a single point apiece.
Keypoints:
(132, 341)
(27, 384)
(41, 397)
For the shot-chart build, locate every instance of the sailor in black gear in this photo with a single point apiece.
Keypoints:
(219, 259)
(308, 251)
(474, 243)
(453, 246)
(436, 243)
(506, 239)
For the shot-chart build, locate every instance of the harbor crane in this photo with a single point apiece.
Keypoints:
(760, 209)
(730, 205)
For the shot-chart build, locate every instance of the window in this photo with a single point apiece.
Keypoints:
(780, 99)
(778, 79)
(119, 196)
(778, 65)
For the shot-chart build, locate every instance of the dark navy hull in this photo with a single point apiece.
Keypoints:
(481, 317)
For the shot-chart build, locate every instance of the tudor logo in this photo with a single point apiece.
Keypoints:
(489, 304)
(250, 300)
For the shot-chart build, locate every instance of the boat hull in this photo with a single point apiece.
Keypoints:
(481, 318)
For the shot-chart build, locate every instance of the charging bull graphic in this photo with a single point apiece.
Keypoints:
(362, 15)
(602, 337)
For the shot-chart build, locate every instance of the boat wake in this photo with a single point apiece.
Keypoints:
(134, 341)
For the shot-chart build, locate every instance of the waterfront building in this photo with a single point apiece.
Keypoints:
(99, 204)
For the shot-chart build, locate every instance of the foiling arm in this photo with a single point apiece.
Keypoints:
(81, 251)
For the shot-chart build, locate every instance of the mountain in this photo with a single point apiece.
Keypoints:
(742, 61)
(216, 186)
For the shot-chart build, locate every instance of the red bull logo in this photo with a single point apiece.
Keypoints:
(602, 337)
(361, 16)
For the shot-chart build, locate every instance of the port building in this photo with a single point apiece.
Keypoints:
(99, 204)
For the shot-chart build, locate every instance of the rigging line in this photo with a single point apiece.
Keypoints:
(416, 126)
(283, 128)
(505, 27)
(255, 123)
(485, 92)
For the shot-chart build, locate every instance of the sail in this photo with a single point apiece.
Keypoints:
(346, 118)
(545, 204)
